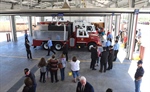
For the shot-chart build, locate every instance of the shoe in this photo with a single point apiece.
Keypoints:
(39, 80)
(74, 81)
(93, 69)
(57, 81)
(47, 55)
(104, 71)
(108, 68)
(100, 70)
(44, 81)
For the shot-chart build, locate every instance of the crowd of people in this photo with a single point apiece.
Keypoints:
(53, 64)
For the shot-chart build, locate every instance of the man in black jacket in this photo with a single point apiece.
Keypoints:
(110, 58)
(65, 50)
(29, 74)
(84, 86)
(104, 59)
(27, 45)
(94, 56)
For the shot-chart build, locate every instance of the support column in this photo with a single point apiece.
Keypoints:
(13, 27)
(42, 19)
(132, 34)
(105, 21)
(117, 25)
(131, 30)
(110, 23)
(30, 25)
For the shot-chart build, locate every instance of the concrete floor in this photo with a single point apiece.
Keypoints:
(13, 61)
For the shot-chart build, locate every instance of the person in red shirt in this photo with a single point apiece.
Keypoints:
(125, 41)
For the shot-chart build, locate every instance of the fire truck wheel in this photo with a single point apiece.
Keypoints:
(45, 46)
(58, 46)
(90, 45)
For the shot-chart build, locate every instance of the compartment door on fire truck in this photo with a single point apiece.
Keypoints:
(72, 42)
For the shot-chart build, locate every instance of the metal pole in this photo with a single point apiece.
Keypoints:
(13, 27)
(30, 25)
(64, 32)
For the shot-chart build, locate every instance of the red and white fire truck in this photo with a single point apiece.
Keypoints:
(77, 34)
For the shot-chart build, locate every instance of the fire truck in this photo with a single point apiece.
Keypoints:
(77, 34)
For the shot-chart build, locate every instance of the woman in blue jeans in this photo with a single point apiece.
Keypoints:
(62, 70)
(75, 67)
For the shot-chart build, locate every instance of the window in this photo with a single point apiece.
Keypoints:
(89, 28)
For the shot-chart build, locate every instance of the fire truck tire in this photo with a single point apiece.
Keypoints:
(45, 46)
(91, 45)
(58, 46)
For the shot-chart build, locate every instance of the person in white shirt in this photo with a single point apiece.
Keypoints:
(75, 67)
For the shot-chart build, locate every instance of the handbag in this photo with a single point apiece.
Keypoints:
(60, 65)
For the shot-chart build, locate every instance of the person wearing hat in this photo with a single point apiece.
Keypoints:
(138, 76)
(29, 74)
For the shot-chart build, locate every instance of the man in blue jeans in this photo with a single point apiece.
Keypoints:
(138, 76)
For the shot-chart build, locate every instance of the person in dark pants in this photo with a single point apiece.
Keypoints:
(42, 65)
(50, 47)
(110, 58)
(94, 56)
(29, 74)
(65, 50)
(138, 76)
(116, 50)
(29, 55)
(53, 68)
(104, 59)
(84, 86)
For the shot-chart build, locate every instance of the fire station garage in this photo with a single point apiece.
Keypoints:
(74, 45)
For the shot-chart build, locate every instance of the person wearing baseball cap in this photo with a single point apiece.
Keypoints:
(138, 76)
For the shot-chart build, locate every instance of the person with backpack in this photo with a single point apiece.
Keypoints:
(62, 61)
